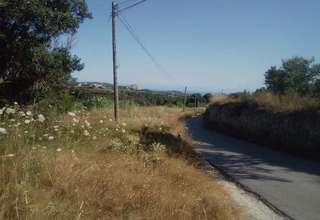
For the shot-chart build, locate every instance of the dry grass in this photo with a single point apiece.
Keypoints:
(275, 103)
(103, 175)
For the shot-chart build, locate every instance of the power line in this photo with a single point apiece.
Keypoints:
(126, 2)
(137, 39)
(131, 6)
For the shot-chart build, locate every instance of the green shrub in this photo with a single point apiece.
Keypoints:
(97, 102)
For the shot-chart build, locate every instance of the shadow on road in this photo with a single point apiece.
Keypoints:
(246, 160)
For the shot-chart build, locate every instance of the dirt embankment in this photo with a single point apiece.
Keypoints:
(296, 132)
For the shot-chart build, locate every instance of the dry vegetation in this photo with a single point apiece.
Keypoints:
(289, 123)
(270, 102)
(82, 165)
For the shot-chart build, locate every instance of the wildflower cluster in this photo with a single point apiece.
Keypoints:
(19, 127)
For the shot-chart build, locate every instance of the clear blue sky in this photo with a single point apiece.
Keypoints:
(208, 45)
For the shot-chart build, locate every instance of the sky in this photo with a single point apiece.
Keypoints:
(207, 45)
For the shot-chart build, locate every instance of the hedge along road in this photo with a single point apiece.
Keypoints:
(290, 184)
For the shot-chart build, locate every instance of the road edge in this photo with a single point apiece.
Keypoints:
(248, 190)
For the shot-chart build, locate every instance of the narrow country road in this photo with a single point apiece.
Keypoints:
(289, 183)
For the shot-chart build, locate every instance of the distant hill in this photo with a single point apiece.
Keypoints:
(101, 86)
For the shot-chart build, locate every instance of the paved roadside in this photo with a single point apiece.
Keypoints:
(289, 183)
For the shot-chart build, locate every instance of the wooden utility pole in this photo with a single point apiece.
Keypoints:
(185, 99)
(195, 101)
(115, 67)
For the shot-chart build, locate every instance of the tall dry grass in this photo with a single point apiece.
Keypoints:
(272, 102)
(82, 165)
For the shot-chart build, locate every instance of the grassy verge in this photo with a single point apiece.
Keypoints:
(82, 165)
(286, 123)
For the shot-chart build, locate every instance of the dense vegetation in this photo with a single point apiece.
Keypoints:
(284, 115)
(34, 61)
(297, 76)
(94, 97)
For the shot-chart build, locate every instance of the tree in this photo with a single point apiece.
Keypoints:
(296, 76)
(30, 63)
(275, 80)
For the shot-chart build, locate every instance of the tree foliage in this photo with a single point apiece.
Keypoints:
(296, 76)
(30, 62)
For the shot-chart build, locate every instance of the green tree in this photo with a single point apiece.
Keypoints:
(296, 76)
(275, 80)
(30, 62)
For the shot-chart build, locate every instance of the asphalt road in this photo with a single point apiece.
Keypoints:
(289, 183)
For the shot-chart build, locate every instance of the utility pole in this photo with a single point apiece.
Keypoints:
(195, 101)
(185, 99)
(115, 67)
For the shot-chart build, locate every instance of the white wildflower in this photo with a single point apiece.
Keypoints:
(2, 110)
(94, 137)
(29, 113)
(87, 123)
(27, 121)
(41, 118)
(12, 120)
(101, 121)
(123, 131)
(21, 113)
(26, 132)
(59, 150)
(124, 124)
(75, 120)
(34, 148)
(10, 111)
(3, 131)
(15, 103)
(9, 155)
(45, 135)
(50, 138)
(17, 125)
(86, 133)
(72, 114)
(110, 119)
